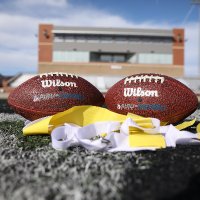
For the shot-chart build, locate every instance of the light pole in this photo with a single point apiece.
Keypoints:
(197, 3)
(199, 40)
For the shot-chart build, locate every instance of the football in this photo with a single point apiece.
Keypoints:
(152, 95)
(50, 93)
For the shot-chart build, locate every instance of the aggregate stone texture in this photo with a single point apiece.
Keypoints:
(31, 169)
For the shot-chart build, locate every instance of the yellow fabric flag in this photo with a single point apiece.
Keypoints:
(81, 116)
(141, 139)
(198, 128)
(185, 124)
(86, 115)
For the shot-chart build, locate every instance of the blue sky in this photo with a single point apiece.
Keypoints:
(19, 21)
(171, 11)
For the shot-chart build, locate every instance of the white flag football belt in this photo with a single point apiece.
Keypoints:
(99, 129)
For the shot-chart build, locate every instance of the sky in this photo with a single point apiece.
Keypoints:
(19, 20)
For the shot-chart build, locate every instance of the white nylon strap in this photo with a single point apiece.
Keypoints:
(64, 136)
(90, 136)
(173, 136)
(84, 135)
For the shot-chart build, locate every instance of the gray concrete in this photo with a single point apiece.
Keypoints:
(4, 95)
(111, 31)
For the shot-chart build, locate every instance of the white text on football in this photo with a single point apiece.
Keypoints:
(139, 92)
(57, 83)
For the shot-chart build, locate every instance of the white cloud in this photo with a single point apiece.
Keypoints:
(90, 17)
(17, 32)
(18, 44)
(13, 62)
(57, 3)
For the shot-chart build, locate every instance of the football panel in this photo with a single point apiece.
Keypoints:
(55, 93)
(171, 101)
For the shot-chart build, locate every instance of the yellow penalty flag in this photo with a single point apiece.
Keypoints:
(185, 124)
(141, 139)
(81, 116)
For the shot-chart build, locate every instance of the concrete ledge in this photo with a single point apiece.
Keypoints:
(113, 69)
(4, 95)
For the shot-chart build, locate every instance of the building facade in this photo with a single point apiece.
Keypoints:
(110, 51)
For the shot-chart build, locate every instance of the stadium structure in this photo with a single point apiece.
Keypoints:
(103, 56)
(110, 51)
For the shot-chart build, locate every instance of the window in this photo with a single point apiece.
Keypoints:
(121, 39)
(112, 58)
(134, 39)
(70, 56)
(153, 58)
(106, 58)
(69, 38)
(106, 39)
(118, 58)
(80, 38)
(93, 38)
(59, 38)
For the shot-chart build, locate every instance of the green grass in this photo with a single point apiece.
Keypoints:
(24, 142)
(31, 169)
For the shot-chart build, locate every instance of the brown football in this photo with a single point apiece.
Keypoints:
(50, 93)
(152, 95)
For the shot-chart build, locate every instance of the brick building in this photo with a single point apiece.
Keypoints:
(110, 51)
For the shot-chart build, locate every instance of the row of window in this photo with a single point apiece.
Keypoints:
(109, 39)
(82, 56)
(148, 58)
(71, 56)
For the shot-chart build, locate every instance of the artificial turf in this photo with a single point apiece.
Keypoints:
(31, 169)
